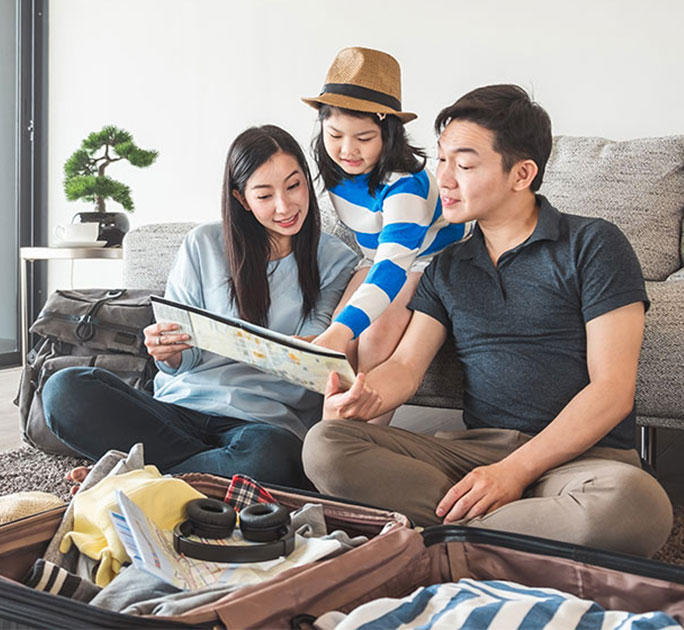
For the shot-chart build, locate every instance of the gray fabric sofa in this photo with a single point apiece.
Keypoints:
(636, 184)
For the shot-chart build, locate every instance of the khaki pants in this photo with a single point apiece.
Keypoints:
(601, 499)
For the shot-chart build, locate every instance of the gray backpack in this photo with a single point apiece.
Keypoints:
(81, 328)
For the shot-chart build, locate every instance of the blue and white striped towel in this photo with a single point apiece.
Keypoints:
(490, 605)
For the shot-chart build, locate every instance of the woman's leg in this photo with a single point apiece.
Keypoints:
(262, 451)
(93, 411)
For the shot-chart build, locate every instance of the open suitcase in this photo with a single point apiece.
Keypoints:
(390, 565)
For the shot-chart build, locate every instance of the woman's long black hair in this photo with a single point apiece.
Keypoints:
(247, 242)
(397, 154)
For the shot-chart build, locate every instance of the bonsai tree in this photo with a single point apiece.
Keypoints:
(85, 169)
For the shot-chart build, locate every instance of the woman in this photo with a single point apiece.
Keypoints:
(267, 263)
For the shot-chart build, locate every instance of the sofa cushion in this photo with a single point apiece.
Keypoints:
(636, 184)
(331, 224)
(443, 383)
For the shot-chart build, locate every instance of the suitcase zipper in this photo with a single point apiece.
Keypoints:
(547, 547)
(27, 607)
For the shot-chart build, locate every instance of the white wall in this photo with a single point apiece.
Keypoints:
(185, 76)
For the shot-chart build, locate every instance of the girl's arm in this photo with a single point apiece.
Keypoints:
(408, 210)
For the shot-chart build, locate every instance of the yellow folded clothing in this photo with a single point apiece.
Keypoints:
(22, 504)
(162, 499)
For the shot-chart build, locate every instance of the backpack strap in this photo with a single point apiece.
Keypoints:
(85, 330)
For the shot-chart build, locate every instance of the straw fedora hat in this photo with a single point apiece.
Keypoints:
(363, 80)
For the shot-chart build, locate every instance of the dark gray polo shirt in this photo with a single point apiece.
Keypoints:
(519, 328)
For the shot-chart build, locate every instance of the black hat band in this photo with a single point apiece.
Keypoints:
(363, 93)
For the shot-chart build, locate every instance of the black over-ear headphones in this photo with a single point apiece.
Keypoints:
(268, 523)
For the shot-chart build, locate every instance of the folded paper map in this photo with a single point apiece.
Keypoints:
(294, 360)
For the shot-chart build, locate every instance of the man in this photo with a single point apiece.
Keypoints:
(547, 314)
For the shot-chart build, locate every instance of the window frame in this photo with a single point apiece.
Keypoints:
(32, 119)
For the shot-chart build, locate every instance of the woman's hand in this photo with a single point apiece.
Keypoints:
(163, 343)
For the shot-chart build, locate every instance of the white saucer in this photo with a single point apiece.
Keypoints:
(80, 244)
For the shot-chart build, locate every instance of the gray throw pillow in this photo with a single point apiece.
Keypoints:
(636, 184)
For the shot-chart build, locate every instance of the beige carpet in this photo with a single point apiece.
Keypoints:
(26, 468)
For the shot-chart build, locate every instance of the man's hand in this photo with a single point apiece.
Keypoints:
(360, 402)
(482, 490)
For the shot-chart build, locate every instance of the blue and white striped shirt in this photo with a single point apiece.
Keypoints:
(402, 223)
(491, 605)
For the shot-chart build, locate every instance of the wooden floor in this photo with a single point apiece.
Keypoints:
(669, 443)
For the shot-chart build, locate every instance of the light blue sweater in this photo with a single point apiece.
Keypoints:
(219, 386)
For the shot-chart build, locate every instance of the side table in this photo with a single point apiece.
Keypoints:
(30, 254)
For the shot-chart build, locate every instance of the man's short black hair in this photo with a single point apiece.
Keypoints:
(521, 127)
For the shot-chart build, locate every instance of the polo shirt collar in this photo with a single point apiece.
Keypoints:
(548, 222)
(547, 229)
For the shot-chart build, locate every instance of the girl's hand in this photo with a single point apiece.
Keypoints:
(308, 338)
(164, 344)
(335, 337)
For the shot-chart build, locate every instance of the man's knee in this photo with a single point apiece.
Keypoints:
(634, 515)
(323, 458)
(316, 445)
(647, 509)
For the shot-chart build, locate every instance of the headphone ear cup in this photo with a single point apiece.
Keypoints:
(211, 518)
(263, 522)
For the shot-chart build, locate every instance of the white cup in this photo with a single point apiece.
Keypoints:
(77, 232)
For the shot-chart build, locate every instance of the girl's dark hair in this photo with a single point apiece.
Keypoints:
(247, 242)
(397, 154)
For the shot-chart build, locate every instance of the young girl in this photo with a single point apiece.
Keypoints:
(380, 189)
(266, 262)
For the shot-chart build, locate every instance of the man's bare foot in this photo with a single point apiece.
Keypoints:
(76, 476)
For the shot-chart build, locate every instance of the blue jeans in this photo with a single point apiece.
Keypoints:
(93, 411)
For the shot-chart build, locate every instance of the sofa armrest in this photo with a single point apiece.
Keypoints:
(149, 252)
(660, 380)
(677, 275)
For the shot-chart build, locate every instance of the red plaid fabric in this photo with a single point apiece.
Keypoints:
(244, 491)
